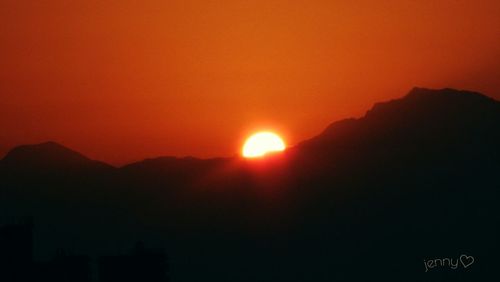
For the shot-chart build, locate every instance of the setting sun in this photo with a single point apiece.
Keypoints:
(261, 143)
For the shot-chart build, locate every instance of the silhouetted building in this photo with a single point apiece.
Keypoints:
(16, 252)
(17, 264)
(142, 265)
(64, 268)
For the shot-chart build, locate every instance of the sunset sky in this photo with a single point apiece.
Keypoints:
(124, 80)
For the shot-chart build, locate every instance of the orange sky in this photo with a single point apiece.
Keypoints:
(124, 80)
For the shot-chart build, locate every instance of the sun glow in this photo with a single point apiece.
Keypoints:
(262, 143)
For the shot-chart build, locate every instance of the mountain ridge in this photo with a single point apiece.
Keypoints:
(421, 108)
(409, 181)
(49, 155)
(54, 152)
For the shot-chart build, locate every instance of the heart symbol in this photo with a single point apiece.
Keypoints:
(466, 260)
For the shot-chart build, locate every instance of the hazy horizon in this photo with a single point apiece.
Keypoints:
(129, 80)
(236, 153)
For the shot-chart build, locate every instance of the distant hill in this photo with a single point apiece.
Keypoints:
(414, 179)
(49, 155)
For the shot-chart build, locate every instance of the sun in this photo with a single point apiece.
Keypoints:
(262, 143)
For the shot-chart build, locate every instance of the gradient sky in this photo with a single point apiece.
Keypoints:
(123, 80)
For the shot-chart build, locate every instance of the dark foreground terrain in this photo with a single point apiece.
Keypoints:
(409, 192)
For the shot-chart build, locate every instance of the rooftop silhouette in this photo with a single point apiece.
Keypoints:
(17, 263)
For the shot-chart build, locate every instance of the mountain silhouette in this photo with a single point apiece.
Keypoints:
(422, 117)
(414, 179)
(49, 155)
